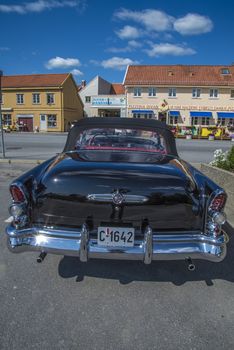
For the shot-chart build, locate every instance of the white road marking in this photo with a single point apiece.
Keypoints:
(10, 219)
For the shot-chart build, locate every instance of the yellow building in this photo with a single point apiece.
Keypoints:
(48, 102)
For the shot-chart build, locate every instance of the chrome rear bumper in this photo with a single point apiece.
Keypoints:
(154, 246)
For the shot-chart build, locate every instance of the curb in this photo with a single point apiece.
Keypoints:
(21, 161)
(55, 133)
(39, 161)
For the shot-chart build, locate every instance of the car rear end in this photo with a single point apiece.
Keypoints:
(119, 193)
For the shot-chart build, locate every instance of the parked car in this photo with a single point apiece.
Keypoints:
(118, 190)
(6, 128)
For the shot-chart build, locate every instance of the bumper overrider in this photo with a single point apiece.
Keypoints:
(153, 246)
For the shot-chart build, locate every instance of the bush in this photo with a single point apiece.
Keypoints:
(224, 160)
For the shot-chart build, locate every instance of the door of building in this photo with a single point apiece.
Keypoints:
(162, 117)
(43, 122)
(25, 123)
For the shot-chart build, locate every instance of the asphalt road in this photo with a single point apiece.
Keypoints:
(65, 304)
(44, 146)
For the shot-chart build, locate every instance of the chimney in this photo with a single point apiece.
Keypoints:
(83, 83)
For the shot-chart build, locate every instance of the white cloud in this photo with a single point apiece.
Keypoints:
(39, 6)
(59, 62)
(156, 21)
(128, 32)
(119, 49)
(132, 46)
(193, 24)
(169, 49)
(76, 72)
(153, 20)
(117, 63)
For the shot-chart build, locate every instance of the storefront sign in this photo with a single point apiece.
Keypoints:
(181, 107)
(24, 116)
(108, 101)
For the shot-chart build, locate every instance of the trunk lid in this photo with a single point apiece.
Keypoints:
(169, 192)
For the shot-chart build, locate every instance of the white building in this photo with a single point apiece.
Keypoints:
(181, 94)
(103, 99)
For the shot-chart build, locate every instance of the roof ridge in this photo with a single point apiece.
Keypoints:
(181, 65)
(30, 75)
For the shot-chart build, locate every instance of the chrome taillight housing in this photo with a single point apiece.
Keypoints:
(17, 193)
(217, 201)
(18, 209)
(215, 215)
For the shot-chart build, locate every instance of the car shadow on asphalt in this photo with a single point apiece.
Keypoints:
(175, 272)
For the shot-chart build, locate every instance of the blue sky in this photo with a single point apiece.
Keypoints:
(102, 37)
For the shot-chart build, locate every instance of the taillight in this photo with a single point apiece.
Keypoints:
(218, 202)
(17, 194)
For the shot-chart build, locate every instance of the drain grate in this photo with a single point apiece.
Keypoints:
(13, 148)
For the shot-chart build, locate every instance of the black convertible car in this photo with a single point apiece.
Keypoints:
(118, 191)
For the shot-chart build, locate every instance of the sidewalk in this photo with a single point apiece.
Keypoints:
(38, 133)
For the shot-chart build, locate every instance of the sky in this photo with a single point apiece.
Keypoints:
(102, 37)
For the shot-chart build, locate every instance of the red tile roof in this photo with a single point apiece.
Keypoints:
(33, 80)
(179, 75)
(117, 89)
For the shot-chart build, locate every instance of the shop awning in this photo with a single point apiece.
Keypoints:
(142, 111)
(174, 113)
(225, 114)
(201, 114)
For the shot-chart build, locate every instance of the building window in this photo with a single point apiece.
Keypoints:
(142, 115)
(20, 99)
(214, 93)
(1, 99)
(225, 71)
(136, 115)
(194, 120)
(173, 120)
(6, 118)
(196, 93)
(52, 121)
(87, 99)
(50, 98)
(172, 92)
(152, 91)
(205, 121)
(221, 121)
(232, 94)
(137, 92)
(36, 98)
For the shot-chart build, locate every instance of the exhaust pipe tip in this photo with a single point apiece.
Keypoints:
(41, 257)
(191, 265)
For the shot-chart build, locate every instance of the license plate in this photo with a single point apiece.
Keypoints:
(116, 236)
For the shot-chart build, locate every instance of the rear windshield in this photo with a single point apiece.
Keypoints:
(126, 140)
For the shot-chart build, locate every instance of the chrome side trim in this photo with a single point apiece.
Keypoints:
(108, 198)
(148, 245)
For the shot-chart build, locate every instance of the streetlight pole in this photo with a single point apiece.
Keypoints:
(1, 121)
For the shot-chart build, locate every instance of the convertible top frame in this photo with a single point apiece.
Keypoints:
(118, 123)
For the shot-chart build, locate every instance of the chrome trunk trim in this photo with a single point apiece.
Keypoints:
(108, 198)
